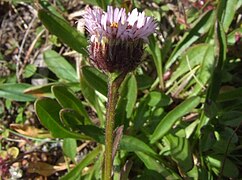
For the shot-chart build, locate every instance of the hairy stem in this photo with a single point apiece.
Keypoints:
(110, 114)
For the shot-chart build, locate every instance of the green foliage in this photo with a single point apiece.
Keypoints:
(63, 30)
(181, 109)
(58, 65)
(15, 92)
(69, 148)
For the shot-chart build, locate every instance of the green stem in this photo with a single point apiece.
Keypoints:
(110, 114)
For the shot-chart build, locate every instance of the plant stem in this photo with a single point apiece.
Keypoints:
(110, 114)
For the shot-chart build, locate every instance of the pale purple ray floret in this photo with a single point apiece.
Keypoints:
(116, 24)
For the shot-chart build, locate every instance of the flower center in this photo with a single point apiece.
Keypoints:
(114, 25)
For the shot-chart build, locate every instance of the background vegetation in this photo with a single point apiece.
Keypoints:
(181, 110)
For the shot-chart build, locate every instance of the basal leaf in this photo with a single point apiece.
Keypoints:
(15, 92)
(47, 111)
(169, 120)
(153, 164)
(133, 144)
(69, 100)
(59, 65)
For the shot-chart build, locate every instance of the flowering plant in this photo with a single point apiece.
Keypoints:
(169, 118)
(116, 46)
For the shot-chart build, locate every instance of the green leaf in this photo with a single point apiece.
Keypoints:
(59, 65)
(15, 92)
(142, 113)
(205, 71)
(94, 132)
(231, 118)
(76, 172)
(201, 27)
(194, 56)
(149, 174)
(230, 95)
(69, 100)
(191, 128)
(126, 103)
(69, 148)
(29, 70)
(95, 79)
(91, 2)
(49, 7)
(228, 13)
(169, 120)
(153, 164)
(206, 139)
(144, 81)
(131, 95)
(220, 55)
(71, 119)
(133, 144)
(181, 152)
(101, 3)
(153, 99)
(95, 171)
(149, 162)
(47, 111)
(230, 170)
(40, 91)
(90, 95)
(231, 37)
(63, 31)
(158, 99)
(155, 51)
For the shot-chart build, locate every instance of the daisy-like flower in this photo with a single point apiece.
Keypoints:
(117, 38)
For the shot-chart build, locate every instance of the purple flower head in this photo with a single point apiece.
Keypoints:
(116, 38)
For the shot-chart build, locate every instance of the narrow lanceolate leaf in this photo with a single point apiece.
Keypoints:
(133, 144)
(40, 90)
(63, 31)
(205, 72)
(201, 27)
(227, 10)
(76, 172)
(69, 100)
(90, 95)
(15, 92)
(169, 120)
(155, 50)
(48, 6)
(220, 55)
(154, 165)
(95, 79)
(131, 95)
(128, 95)
(48, 113)
(60, 66)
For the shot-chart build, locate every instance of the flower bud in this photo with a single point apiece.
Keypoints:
(117, 38)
